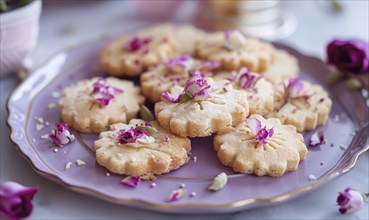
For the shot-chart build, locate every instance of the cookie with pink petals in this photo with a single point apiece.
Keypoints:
(260, 146)
(202, 107)
(185, 36)
(301, 104)
(234, 50)
(91, 105)
(173, 72)
(259, 91)
(141, 149)
(131, 55)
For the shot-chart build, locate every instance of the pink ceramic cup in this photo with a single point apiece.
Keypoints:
(18, 36)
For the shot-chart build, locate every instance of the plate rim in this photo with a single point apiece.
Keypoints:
(241, 204)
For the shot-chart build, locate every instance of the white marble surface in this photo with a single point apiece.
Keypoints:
(316, 26)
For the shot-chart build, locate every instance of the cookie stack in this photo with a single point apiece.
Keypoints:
(243, 91)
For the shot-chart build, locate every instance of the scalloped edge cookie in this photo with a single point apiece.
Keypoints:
(304, 114)
(80, 111)
(226, 107)
(150, 159)
(282, 153)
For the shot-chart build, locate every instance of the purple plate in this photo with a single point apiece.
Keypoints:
(349, 135)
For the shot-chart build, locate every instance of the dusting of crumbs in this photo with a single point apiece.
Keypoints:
(312, 177)
(45, 136)
(68, 165)
(55, 94)
(39, 127)
(80, 163)
(51, 105)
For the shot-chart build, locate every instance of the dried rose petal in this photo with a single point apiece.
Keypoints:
(131, 181)
(131, 135)
(168, 97)
(254, 124)
(180, 64)
(210, 65)
(136, 43)
(16, 200)
(261, 134)
(245, 79)
(316, 139)
(234, 40)
(295, 88)
(176, 195)
(103, 93)
(61, 135)
(350, 200)
(167, 138)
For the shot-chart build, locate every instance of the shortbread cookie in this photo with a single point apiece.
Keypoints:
(234, 50)
(202, 107)
(173, 72)
(141, 149)
(130, 55)
(185, 36)
(91, 105)
(259, 90)
(283, 67)
(301, 104)
(262, 147)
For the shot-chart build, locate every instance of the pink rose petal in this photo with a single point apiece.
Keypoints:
(131, 181)
(295, 87)
(254, 124)
(176, 195)
(316, 139)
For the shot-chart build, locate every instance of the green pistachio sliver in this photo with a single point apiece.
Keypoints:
(219, 182)
(21, 75)
(146, 114)
(151, 130)
(334, 77)
(353, 83)
(186, 97)
(3, 5)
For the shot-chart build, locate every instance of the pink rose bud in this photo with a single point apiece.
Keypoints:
(16, 200)
(61, 135)
(350, 56)
(196, 86)
(350, 200)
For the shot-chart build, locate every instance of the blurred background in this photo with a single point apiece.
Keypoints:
(307, 25)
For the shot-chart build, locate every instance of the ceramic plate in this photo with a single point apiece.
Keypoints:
(347, 129)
